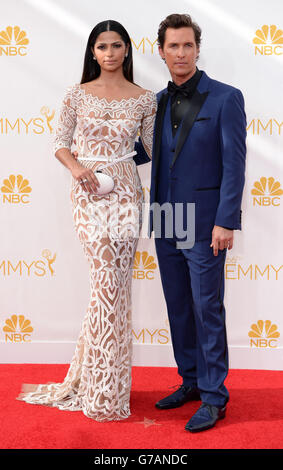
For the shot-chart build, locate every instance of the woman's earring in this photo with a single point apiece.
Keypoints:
(94, 58)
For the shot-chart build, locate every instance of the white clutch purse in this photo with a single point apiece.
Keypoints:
(106, 183)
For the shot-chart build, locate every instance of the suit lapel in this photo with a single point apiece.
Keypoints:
(158, 127)
(196, 103)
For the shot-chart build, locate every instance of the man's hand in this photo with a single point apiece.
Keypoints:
(221, 238)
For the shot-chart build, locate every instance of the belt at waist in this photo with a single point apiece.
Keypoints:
(92, 158)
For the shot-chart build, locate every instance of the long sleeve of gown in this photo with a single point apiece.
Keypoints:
(66, 122)
(147, 125)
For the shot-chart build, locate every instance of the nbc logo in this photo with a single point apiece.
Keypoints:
(267, 40)
(264, 334)
(13, 41)
(16, 189)
(144, 266)
(266, 192)
(17, 329)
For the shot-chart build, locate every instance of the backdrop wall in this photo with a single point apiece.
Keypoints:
(43, 272)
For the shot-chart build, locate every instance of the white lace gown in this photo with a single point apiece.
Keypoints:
(98, 381)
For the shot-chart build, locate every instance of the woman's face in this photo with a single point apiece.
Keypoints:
(110, 51)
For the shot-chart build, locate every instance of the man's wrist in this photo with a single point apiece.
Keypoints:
(221, 226)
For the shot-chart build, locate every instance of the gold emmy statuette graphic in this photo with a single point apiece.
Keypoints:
(144, 266)
(15, 189)
(268, 40)
(17, 329)
(264, 334)
(146, 191)
(269, 191)
(47, 254)
(45, 111)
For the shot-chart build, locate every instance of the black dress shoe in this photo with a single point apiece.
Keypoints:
(178, 398)
(205, 418)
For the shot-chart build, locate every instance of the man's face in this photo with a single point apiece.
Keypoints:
(180, 52)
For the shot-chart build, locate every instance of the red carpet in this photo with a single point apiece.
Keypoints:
(254, 417)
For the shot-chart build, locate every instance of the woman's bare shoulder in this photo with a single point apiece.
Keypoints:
(138, 91)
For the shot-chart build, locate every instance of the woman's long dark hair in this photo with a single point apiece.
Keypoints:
(91, 68)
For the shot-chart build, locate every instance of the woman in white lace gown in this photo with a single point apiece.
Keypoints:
(107, 110)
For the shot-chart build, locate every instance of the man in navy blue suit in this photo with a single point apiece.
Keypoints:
(198, 158)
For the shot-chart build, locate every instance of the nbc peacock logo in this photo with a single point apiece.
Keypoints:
(268, 40)
(17, 329)
(267, 192)
(264, 334)
(13, 41)
(16, 189)
(144, 266)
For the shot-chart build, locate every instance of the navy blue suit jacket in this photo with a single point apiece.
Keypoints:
(208, 163)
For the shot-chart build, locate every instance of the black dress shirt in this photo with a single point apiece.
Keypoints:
(180, 98)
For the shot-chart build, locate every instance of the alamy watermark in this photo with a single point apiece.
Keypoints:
(121, 221)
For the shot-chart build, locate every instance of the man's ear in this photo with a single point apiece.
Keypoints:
(197, 58)
(161, 53)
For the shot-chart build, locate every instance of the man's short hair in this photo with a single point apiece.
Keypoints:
(177, 21)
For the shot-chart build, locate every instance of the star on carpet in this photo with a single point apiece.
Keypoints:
(148, 422)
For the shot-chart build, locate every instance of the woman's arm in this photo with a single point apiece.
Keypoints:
(63, 140)
(147, 125)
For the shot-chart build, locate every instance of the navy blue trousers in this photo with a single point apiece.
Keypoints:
(193, 285)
